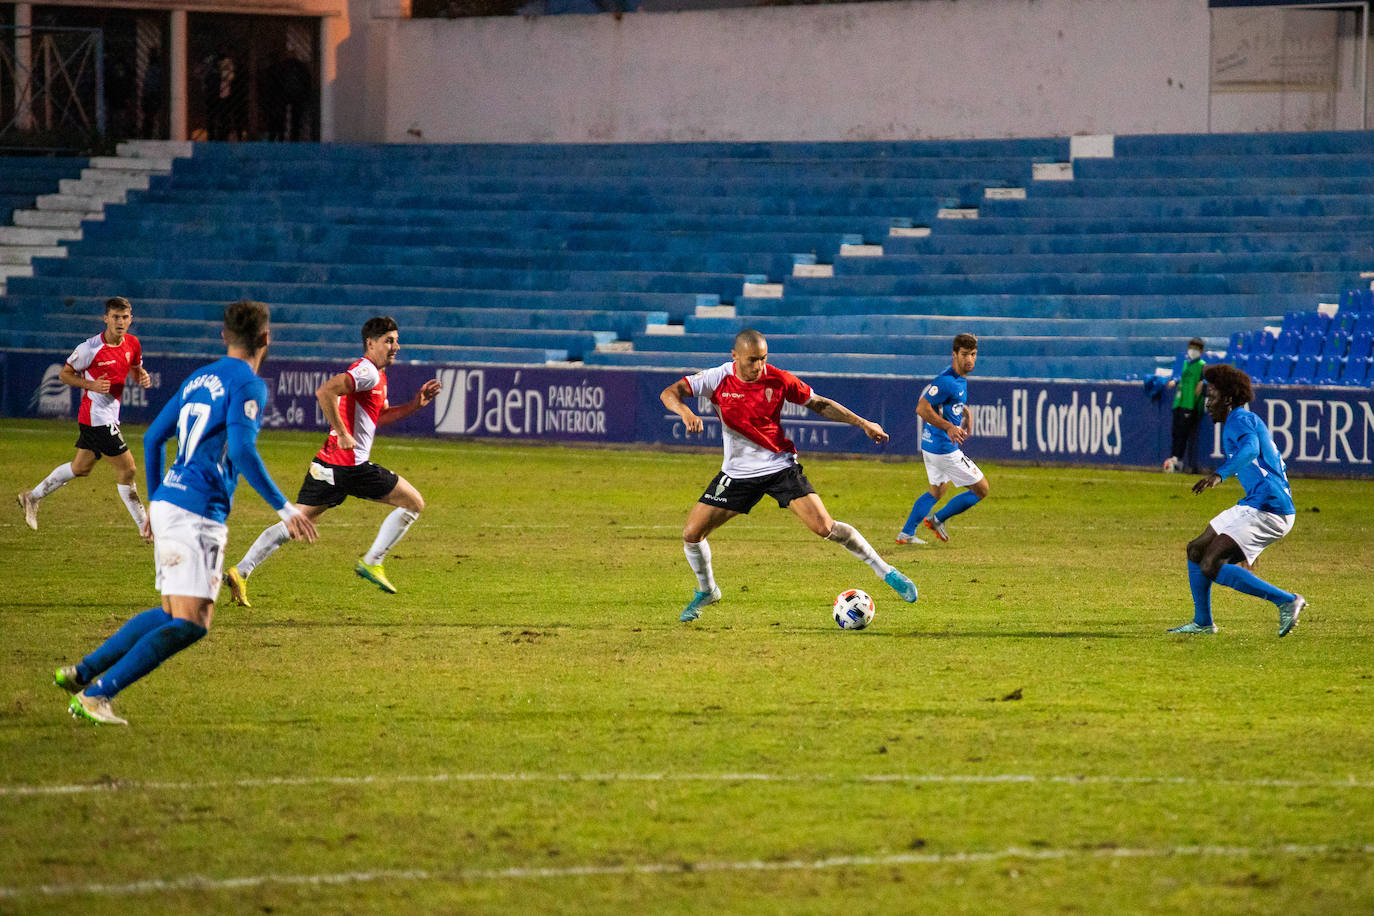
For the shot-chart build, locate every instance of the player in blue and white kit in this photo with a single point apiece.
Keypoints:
(1225, 553)
(215, 416)
(947, 425)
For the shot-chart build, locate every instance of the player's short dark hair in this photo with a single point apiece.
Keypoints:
(964, 342)
(118, 304)
(380, 326)
(1232, 385)
(245, 323)
(1198, 342)
(748, 336)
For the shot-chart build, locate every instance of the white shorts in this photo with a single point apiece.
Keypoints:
(189, 551)
(954, 467)
(1252, 529)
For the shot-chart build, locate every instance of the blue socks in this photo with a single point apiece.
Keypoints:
(114, 648)
(151, 650)
(961, 503)
(1202, 595)
(1242, 580)
(918, 512)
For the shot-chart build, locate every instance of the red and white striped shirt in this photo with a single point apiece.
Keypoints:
(94, 359)
(751, 415)
(359, 410)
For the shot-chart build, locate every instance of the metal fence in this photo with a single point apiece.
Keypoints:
(52, 86)
(84, 78)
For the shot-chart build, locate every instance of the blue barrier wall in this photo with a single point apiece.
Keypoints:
(1328, 430)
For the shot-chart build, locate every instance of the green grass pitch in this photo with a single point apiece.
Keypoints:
(526, 727)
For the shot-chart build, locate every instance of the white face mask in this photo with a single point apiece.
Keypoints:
(1194, 353)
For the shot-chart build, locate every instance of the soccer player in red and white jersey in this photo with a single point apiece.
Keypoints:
(99, 367)
(355, 404)
(760, 460)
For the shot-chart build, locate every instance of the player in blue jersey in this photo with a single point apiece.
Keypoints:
(947, 425)
(1225, 553)
(215, 417)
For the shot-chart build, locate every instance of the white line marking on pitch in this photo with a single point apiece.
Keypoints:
(202, 883)
(120, 785)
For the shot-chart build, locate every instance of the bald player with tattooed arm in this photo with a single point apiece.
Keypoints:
(761, 461)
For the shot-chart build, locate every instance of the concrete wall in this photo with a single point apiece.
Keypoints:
(876, 71)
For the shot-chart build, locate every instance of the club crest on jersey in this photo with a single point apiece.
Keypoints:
(768, 394)
(250, 409)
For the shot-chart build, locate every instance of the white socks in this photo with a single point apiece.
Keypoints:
(394, 527)
(60, 475)
(267, 542)
(851, 540)
(128, 493)
(699, 558)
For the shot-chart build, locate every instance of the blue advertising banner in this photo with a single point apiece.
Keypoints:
(1323, 430)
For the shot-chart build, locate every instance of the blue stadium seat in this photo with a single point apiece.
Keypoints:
(1344, 322)
(1364, 324)
(1329, 370)
(1293, 322)
(1337, 340)
(1311, 344)
(1304, 370)
(1361, 346)
(1358, 371)
(1280, 368)
(1239, 345)
(1257, 365)
(1287, 343)
(1315, 322)
(1262, 341)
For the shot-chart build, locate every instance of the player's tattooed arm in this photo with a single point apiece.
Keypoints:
(834, 410)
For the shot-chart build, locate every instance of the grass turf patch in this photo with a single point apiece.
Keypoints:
(527, 725)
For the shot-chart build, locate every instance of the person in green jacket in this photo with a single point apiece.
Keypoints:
(1188, 403)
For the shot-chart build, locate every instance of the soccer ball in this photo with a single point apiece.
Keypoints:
(853, 609)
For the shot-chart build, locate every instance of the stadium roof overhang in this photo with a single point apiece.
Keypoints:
(247, 7)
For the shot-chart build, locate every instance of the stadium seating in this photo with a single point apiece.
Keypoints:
(1316, 347)
(852, 257)
(1357, 371)
(1329, 370)
(23, 180)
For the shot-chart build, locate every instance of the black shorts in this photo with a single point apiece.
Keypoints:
(743, 494)
(329, 485)
(103, 440)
